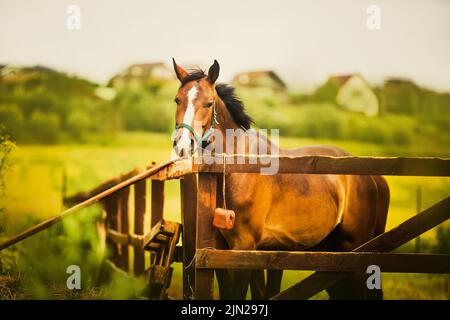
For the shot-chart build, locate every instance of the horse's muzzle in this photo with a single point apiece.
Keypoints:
(184, 149)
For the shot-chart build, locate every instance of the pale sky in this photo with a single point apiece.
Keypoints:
(304, 41)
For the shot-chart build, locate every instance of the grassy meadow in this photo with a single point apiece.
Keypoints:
(34, 187)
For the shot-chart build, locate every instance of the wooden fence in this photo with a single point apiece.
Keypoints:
(200, 187)
(331, 267)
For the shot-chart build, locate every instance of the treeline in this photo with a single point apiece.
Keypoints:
(39, 105)
(395, 96)
(326, 119)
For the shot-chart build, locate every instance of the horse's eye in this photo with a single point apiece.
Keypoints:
(209, 104)
(177, 101)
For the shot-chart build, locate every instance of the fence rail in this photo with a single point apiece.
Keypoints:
(322, 261)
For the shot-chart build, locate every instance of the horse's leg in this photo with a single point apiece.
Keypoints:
(257, 284)
(358, 225)
(223, 280)
(240, 279)
(223, 275)
(273, 283)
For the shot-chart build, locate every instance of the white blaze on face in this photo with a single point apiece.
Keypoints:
(185, 141)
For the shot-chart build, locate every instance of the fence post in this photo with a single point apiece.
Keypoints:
(206, 204)
(111, 205)
(157, 205)
(188, 191)
(418, 209)
(124, 227)
(139, 214)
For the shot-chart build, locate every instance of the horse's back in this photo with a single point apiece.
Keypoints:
(318, 150)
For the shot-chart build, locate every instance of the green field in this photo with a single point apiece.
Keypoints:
(34, 193)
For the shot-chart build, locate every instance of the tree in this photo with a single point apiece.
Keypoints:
(6, 146)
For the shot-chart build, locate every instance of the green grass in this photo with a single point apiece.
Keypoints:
(34, 184)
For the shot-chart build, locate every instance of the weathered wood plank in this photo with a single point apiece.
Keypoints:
(322, 261)
(157, 202)
(162, 228)
(139, 214)
(124, 227)
(206, 204)
(399, 235)
(157, 205)
(111, 205)
(310, 286)
(402, 166)
(122, 238)
(188, 191)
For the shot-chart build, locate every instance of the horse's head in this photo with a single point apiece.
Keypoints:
(196, 109)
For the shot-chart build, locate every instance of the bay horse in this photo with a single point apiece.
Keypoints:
(281, 211)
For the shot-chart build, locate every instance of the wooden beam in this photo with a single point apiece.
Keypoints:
(140, 202)
(206, 204)
(157, 202)
(188, 191)
(401, 166)
(157, 207)
(399, 235)
(124, 227)
(122, 238)
(162, 228)
(310, 286)
(322, 261)
(111, 205)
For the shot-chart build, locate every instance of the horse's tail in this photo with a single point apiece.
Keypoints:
(382, 206)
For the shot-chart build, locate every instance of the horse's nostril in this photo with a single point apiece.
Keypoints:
(181, 152)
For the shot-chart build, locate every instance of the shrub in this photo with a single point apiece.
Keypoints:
(78, 123)
(12, 119)
(44, 127)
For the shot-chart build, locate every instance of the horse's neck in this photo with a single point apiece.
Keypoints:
(246, 137)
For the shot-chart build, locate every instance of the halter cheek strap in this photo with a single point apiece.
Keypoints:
(203, 141)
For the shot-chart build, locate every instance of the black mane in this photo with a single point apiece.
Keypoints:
(226, 92)
(234, 105)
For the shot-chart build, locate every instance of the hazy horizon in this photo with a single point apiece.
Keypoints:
(303, 42)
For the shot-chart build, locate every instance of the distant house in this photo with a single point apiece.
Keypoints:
(355, 94)
(138, 75)
(258, 79)
(16, 75)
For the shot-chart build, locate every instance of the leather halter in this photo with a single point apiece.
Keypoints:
(205, 140)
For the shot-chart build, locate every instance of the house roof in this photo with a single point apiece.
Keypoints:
(340, 80)
(143, 71)
(252, 76)
(399, 81)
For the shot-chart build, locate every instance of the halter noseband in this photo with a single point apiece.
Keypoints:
(203, 141)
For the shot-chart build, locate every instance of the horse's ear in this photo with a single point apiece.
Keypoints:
(213, 72)
(180, 71)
